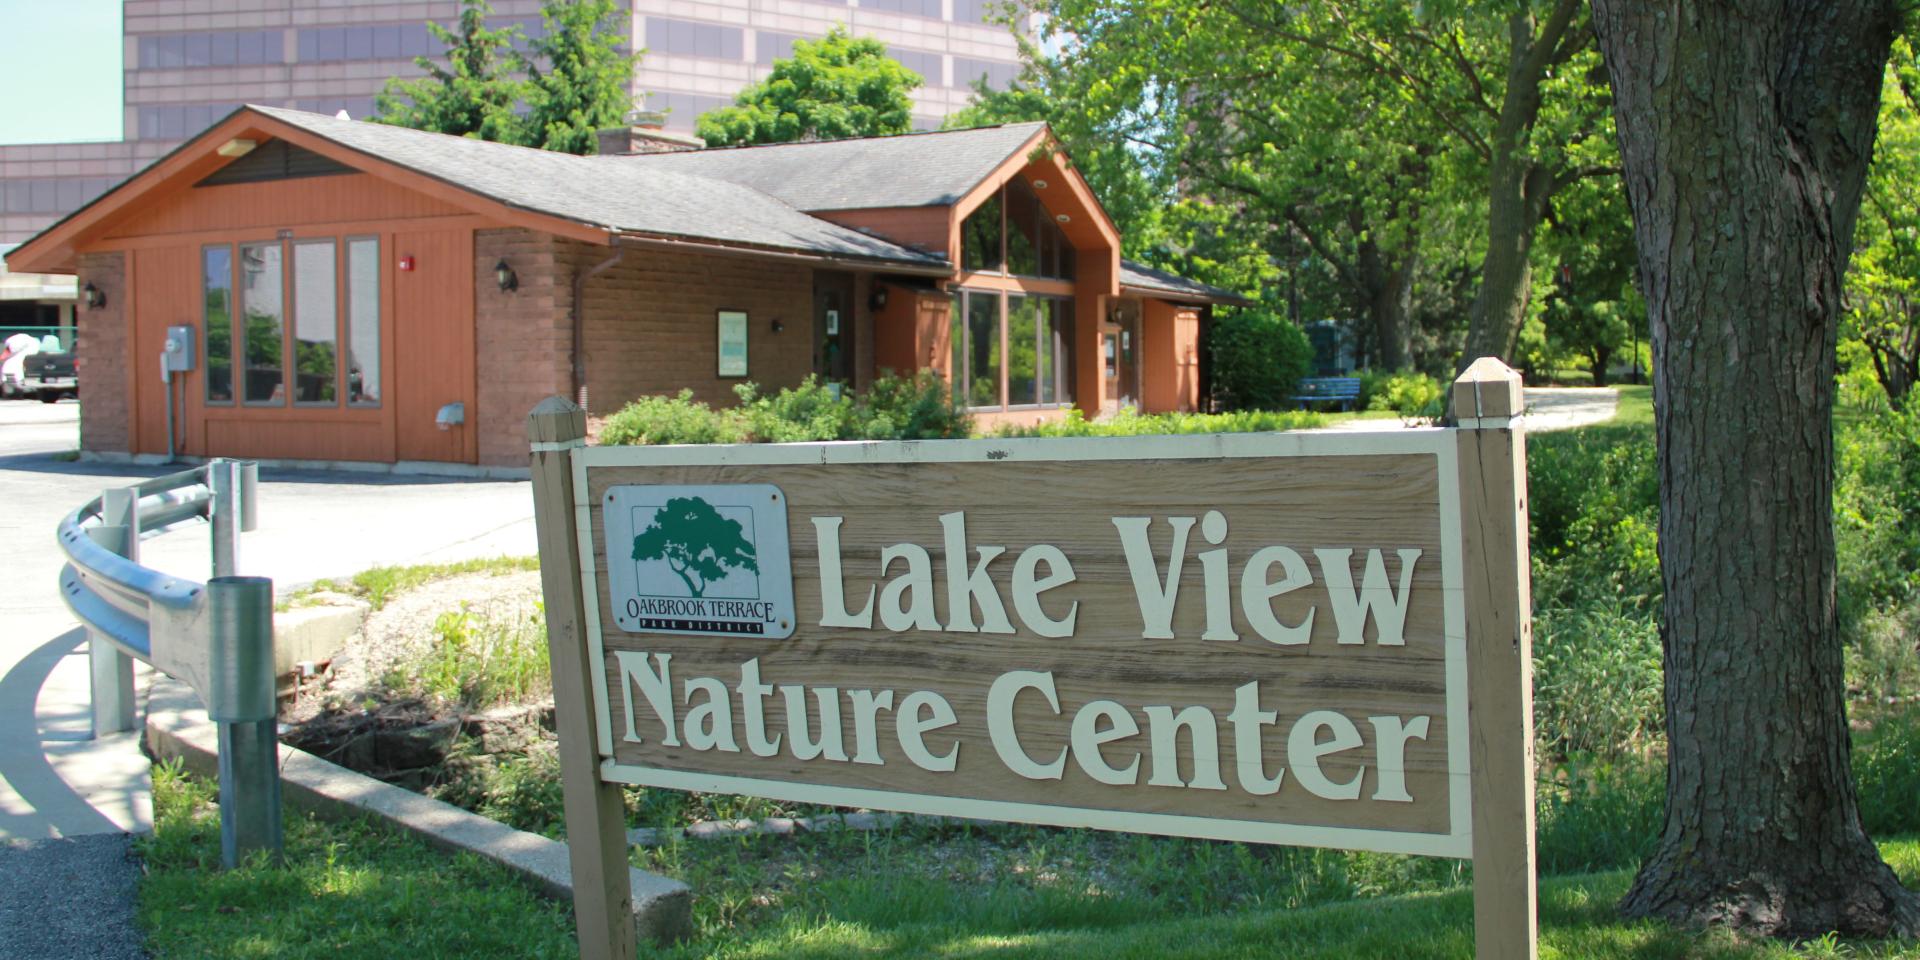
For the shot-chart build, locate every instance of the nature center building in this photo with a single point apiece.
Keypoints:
(338, 290)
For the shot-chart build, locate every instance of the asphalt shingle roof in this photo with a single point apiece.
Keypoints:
(604, 191)
(909, 170)
(1140, 276)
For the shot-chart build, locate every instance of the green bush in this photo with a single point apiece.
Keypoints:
(1258, 360)
(1129, 423)
(1414, 396)
(894, 408)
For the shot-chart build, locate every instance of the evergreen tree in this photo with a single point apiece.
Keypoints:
(835, 87)
(473, 95)
(579, 75)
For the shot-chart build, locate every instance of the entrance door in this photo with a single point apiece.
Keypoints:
(1119, 361)
(833, 325)
(433, 361)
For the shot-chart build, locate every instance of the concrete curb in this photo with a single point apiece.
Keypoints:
(177, 726)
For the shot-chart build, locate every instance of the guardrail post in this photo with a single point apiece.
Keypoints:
(110, 672)
(241, 702)
(224, 478)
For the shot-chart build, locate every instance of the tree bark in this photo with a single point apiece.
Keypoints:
(1746, 131)
(1387, 287)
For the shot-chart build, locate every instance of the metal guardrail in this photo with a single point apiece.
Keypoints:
(216, 636)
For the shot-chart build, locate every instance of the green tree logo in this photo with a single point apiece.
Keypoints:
(697, 543)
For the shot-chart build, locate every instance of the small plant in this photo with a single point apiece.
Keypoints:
(479, 661)
(1128, 423)
(894, 408)
(1414, 396)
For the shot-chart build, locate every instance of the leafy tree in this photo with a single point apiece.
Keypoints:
(1883, 287)
(473, 95)
(579, 75)
(697, 543)
(1591, 308)
(1356, 121)
(834, 87)
(1746, 131)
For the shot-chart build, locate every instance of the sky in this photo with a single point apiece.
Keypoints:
(59, 70)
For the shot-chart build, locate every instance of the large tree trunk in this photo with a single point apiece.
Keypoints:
(1517, 201)
(1387, 287)
(1746, 131)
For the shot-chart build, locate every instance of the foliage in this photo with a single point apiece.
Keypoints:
(380, 584)
(477, 661)
(696, 542)
(834, 87)
(579, 77)
(1128, 423)
(1258, 359)
(1877, 541)
(1883, 283)
(473, 94)
(352, 890)
(893, 408)
(1414, 396)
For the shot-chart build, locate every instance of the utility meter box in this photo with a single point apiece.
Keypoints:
(177, 353)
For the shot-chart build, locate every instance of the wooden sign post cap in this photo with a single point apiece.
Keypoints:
(556, 420)
(1488, 388)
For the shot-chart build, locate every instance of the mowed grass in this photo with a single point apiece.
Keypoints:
(358, 890)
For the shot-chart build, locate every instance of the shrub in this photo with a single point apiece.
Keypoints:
(680, 419)
(895, 408)
(1258, 360)
(1128, 423)
(1414, 396)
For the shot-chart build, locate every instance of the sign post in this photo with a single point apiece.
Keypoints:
(1304, 638)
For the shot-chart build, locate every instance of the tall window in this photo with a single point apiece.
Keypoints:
(1013, 233)
(217, 316)
(263, 324)
(251, 304)
(1026, 338)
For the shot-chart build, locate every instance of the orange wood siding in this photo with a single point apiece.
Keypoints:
(895, 337)
(924, 228)
(1169, 357)
(305, 202)
(433, 352)
(168, 293)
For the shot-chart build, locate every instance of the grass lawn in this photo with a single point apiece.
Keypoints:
(357, 890)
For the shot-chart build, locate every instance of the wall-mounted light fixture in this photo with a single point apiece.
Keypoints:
(505, 277)
(93, 296)
(451, 415)
(778, 325)
(878, 301)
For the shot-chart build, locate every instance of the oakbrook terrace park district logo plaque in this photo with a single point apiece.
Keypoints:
(1256, 637)
(700, 559)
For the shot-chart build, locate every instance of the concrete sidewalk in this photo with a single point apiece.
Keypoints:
(1548, 409)
(55, 781)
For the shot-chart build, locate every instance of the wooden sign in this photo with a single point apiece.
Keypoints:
(1278, 638)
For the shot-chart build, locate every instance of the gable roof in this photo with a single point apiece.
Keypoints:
(908, 170)
(598, 191)
(1140, 278)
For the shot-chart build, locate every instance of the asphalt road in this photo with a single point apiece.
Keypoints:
(69, 899)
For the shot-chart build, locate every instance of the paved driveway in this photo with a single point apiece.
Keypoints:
(54, 780)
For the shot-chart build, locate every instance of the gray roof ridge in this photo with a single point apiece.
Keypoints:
(792, 144)
(280, 112)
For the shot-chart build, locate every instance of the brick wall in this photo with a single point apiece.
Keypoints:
(100, 356)
(522, 338)
(650, 322)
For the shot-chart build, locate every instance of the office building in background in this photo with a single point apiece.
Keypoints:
(190, 62)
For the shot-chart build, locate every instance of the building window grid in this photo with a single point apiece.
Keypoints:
(231, 48)
(991, 371)
(266, 283)
(688, 38)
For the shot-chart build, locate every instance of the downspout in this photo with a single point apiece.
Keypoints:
(578, 314)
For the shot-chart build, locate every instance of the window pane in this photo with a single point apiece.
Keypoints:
(315, 323)
(1023, 336)
(1059, 337)
(216, 328)
(261, 337)
(363, 322)
(983, 349)
(957, 349)
(1023, 213)
(980, 238)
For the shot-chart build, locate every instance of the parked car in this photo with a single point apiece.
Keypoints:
(48, 376)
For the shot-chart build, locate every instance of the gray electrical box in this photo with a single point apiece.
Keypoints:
(178, 353)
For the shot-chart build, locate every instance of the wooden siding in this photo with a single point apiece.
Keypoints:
(433, 355)
(1169, 357)
(923, 228)
(307, 202)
